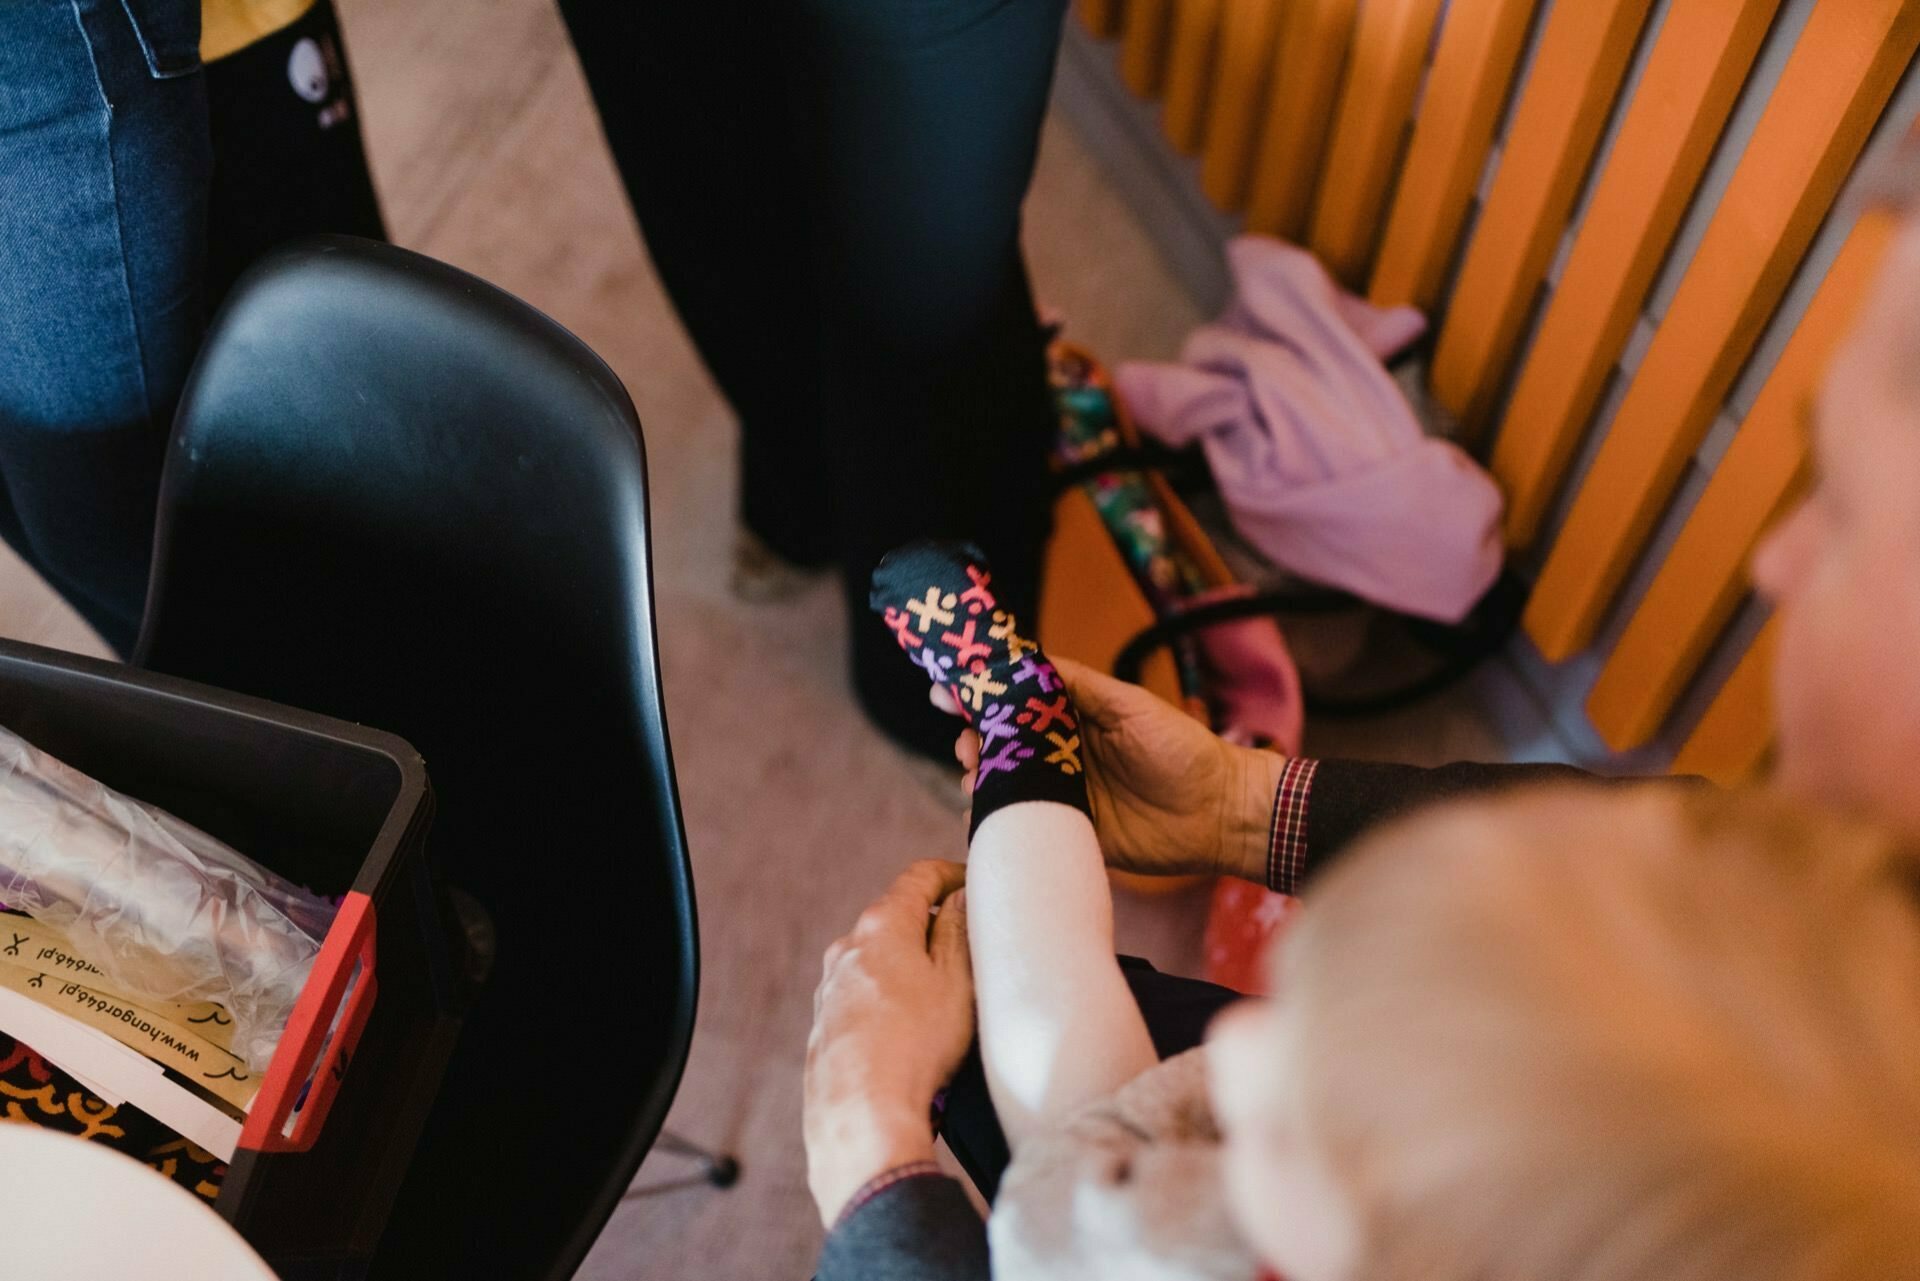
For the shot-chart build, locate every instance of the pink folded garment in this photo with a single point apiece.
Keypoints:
(1319, 458)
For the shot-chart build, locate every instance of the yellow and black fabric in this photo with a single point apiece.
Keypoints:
(228, 26)
(35, 1092)
(288, 159)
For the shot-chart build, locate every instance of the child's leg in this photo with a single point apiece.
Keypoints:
(1058, 1025)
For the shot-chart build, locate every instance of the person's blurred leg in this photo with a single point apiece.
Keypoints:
(103, 159)
(831, 193)
(698, 110)
(288, 160)
(928, 122)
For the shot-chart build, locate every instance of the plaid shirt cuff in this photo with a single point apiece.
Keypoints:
(1287, 842)
(885, 1179)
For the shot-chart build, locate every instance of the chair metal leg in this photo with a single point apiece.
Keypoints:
(719, 1169)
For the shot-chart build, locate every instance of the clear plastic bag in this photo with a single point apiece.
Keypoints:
(166, 911)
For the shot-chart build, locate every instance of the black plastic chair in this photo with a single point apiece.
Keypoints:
(399, 496)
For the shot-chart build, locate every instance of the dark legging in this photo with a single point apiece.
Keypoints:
(830, 190)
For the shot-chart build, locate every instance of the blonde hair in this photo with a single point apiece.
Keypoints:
(1586, 1035)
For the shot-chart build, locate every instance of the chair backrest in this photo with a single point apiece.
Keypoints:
(1656, 168)
(398, 495)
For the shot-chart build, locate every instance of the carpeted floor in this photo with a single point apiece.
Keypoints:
(487, 155)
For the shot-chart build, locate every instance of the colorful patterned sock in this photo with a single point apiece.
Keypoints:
(938, 599)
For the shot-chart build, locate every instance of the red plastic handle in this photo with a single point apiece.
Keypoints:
(346, 954)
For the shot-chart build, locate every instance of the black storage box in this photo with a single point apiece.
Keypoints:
(343, 810)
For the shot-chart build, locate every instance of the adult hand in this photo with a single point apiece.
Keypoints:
(1169, 796)
(892, 1018)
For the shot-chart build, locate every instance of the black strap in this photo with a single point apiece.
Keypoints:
(1133, 655)
(1175, 464)
(1412, 353)
(1460, 647)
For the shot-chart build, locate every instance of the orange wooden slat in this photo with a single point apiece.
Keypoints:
(1190, 62)
(1383, 72)
(1102, 17)
(1704, 577)
(1840, 74)
(1144, 29)
(1569, 91)
(1730, 743)
(1701, 58)
(1315, 35)
(1249, 33)
(1453, 125)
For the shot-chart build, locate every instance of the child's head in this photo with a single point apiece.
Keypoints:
(1589, 1035)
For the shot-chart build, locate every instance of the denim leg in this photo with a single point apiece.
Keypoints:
(103, 177)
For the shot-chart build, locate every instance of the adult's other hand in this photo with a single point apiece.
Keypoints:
(892, 1018)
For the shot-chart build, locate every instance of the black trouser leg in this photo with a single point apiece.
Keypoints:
(831, 191)
(930, 115)
(698, 105)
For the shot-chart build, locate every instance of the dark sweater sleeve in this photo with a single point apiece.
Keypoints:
(919, 1229)
(1350, 798)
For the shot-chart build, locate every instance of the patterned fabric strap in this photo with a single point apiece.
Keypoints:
(1287, 841)
(885, 1179)
(35, 1092)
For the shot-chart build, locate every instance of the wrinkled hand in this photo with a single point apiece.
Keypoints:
(1169, 796)
(892, 1018)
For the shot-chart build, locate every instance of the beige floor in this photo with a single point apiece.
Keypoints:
(487, 155)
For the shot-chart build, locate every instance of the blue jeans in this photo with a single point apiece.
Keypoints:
(104, 166)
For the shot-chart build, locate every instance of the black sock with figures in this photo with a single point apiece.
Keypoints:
(938, 599)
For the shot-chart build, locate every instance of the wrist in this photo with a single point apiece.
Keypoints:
(1247, 826)
(856, 1143)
